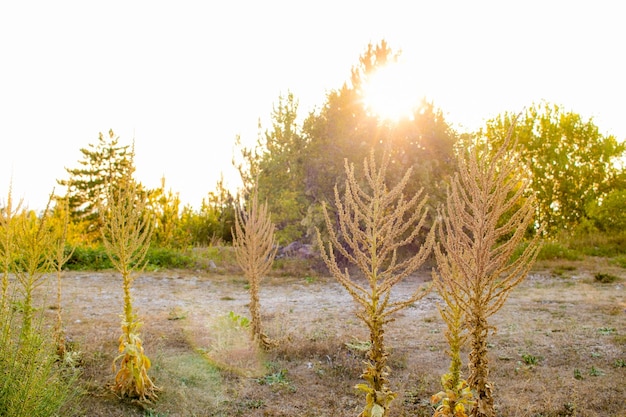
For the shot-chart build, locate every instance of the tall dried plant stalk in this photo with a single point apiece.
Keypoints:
(255, 249)
(126, 233)
(374, 223)
(60, 257)
(486, 217)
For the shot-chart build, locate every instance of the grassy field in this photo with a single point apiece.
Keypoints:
(559, 349)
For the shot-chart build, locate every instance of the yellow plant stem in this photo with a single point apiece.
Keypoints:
(479, 369)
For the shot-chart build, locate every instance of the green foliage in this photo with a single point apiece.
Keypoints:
(213, 223)
(240, 322)
(596, 371)
(276, 165)
(298, 166)
(168, 258)
(343, 129)
(597, 243)
(605, 278)
(608, 214)
(88, 258)
(276, 379)
(572, 164)
(606, 331)
(102, 166)
(165, 208)
(556, 250)
(620, 261)
(33, 382)
(530, 359)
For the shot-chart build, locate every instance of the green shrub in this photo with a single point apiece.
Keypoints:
(87, 258)
(33, 381)
(605, 278)
(556, 250)
(168, 258)
(620, 261)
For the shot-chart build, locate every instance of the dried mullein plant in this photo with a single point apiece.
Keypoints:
(486, 218)
(126, 233)
(255, 249)
(374, 223)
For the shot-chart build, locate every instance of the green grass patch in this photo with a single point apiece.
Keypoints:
(557, 250)
(605, 278)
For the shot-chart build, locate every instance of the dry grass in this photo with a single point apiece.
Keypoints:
(569, 323)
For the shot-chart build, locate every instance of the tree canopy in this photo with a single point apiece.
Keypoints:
(298, 166)
(572, 164)
(103, 164)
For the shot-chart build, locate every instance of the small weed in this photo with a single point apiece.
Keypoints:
(605, 278)
(596, 355)
(277, 379)
(254, 404)
(560, 270)
(309, 279)
(605, 331)
(176, 313)
(619, 363)
(361, 346)
(530, 360)
(240, 322)
(152, 413)
(578, 375)
(595, 371)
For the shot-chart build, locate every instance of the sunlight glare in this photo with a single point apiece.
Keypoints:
(391, 93)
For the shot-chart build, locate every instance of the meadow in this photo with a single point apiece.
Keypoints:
(560, 347)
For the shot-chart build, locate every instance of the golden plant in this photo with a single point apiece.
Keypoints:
(7, 244)
(456, 398)
(485, 220)
(255, 249)
(126, 234)
(34, 244)
(61, 217)
(375, 222)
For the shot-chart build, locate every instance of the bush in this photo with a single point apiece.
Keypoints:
(88, 258)
(598, 243)
(609, 215)
(168, 258)
(34, 382)
(557, 250)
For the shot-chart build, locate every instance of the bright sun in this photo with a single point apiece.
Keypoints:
(391, 93)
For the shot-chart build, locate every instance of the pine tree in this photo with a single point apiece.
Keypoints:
(102, 164)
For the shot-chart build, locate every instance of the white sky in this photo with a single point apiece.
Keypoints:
(183, 78)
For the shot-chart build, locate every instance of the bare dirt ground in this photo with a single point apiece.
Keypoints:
(559, 349)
